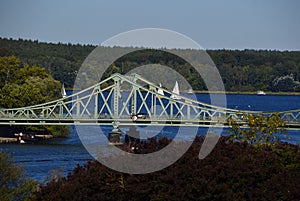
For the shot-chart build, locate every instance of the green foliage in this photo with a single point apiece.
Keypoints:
(157, 58)
(62, 61)
(55, 130)
(58, 131)
(113, 178)
(24, 85)
(234, 171)
(286, 83)
(9, 65)
(246, 70)
(54, 175)
(14, 185)
(257, 129)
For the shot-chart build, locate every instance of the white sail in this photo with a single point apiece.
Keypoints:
(175, 91)
(160, 91)
(63, 91)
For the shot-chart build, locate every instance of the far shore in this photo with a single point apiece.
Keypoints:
(17, 138)
(248, 92)
(233, 92)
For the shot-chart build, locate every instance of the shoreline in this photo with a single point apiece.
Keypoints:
(25, 138)
(240, 92)
(249, 93)
(6, 140)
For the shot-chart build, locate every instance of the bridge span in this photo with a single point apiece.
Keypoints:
(124, 100)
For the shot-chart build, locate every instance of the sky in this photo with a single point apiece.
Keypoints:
(214, 24)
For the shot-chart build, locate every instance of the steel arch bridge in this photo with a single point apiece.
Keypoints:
(124, 96)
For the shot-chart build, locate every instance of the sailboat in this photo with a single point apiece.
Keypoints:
(160, 91)
(63, 91)
(175, 91)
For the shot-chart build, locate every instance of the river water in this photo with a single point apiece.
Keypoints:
(62, 155)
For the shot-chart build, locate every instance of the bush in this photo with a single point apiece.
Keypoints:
(14, 185)
(259, 130)
(233, 171)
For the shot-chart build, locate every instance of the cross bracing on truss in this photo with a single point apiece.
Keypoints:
(97, 105)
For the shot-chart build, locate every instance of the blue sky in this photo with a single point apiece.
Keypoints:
(214, 24)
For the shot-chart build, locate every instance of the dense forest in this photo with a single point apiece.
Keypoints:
(241, 70)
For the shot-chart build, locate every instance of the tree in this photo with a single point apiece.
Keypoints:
(285, 83)
(14, 185)
(4, 51)
(30, 71)
(14, 96)
(63, 61)
(25, 85)
(9, 66)
(257, 129)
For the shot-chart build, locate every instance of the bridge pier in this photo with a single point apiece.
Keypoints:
(115, 136)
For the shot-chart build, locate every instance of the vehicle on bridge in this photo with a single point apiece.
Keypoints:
(140, 115)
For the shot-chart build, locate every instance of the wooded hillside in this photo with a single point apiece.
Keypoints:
(246, 70)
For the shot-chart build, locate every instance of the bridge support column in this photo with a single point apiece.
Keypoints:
(61, 112)
(171, 110)
(133, 101)
(96, 114)
(116, 97)
(77, 107)
(188, 110)
(154, 107)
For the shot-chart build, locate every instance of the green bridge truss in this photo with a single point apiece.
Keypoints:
(124, 96)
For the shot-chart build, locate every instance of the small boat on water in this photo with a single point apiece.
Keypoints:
(175, 91)
(261, 93)
(190, 91)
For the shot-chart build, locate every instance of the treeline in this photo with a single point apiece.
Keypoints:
(60, 60)
(241, 70)
(251, 70)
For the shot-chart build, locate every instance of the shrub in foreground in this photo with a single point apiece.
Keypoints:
(233, 171)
